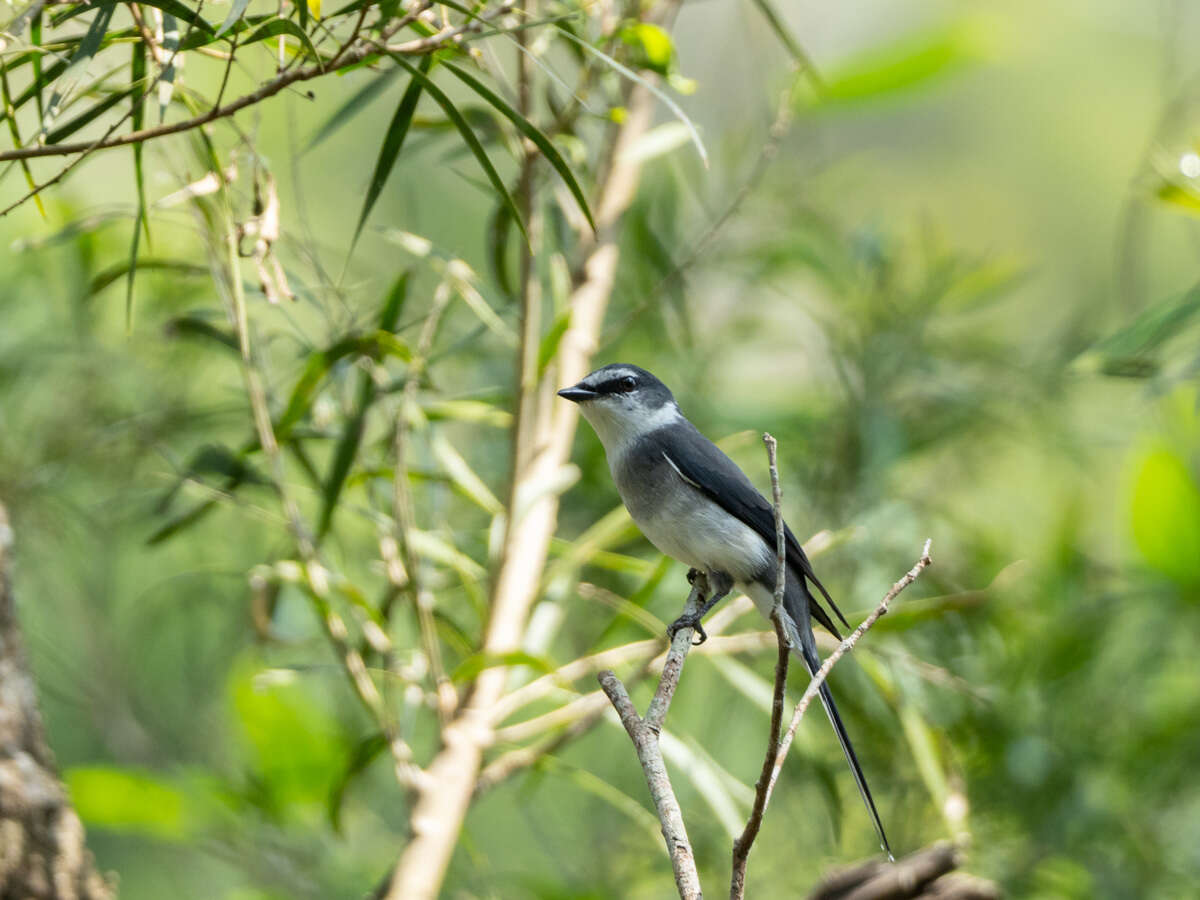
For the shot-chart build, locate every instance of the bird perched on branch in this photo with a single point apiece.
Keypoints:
(695, 504)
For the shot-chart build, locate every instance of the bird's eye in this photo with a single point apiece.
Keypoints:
(627, 384)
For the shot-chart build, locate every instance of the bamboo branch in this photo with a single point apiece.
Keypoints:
(741, 846)
(644, 733)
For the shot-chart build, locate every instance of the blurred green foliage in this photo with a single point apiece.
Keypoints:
(962, 298)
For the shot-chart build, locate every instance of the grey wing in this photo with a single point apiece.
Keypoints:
(720, 479)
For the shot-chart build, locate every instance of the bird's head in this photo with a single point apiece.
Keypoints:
(622, 402)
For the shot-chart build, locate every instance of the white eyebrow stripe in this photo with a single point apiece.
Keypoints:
(671, 463)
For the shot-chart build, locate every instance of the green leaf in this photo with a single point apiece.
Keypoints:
(468, 136)
(904, 65)
(175, 8)
(123, 800)
(90, 114)
(527, 128)
(116, 272)
(352, 432)
(462, 476)
(356, 104)
(322, 361)
(364, 753)
(199, 327)
(1166, 516)
(1181, 196)
(1131, 352)
(64, 86)
(393, 140)
(285, 27)
(473, 665)
(653, 43)
(236, 10)
(657, 92)
(548, 346)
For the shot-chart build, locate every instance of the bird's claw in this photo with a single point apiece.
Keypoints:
(687, 621)
(692, 575)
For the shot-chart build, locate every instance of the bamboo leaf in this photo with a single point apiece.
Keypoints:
(65, 85)
(236, 10)
(392, 142)
(116, 272)
(90, 115)
(551, 339)
(365, 752)
(657, 92)
(463, 476)
(285, 27)
(356, 104)
(473, 665)
(527, 128)
(351, 437)
(468, 136)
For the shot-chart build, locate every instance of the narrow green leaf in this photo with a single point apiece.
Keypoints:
(35, 37)
(114, 273)
(123, 800)
(530, 131)
(473, 665)
(90, 115)
(352, 432)
(137, 115)
(285, 27)
(198, 327)
(236, 10)
(166, 81)
(657, 92)
(392, 142)
(356, 104)
(131, 274)
(551, 339)
(498, 230)
(365, 752)
(906, 64)
(464, 478)
(174, 8)
(468, 136)
(15, 133)
(65, 85)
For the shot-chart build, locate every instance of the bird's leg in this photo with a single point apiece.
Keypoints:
(720, 584)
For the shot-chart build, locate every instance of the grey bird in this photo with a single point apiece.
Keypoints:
(695, 505)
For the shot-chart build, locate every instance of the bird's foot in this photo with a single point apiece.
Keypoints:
(687, 621)
(692, 575)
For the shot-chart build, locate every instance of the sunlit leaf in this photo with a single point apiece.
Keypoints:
(902, 65)
(286, 28)
(124, 800)
(463, 476)
(1166, 516)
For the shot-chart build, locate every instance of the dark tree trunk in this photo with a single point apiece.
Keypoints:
(43, 855)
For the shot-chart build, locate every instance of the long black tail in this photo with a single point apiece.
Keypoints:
(806, 649)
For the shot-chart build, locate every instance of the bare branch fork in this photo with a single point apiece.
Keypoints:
(644, 732)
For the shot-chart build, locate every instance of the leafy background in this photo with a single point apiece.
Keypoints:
(962, 297)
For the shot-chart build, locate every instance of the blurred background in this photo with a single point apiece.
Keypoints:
(960, 289)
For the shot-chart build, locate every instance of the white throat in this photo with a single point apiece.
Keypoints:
(620, 425)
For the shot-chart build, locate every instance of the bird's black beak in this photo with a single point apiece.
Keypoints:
(577, 394)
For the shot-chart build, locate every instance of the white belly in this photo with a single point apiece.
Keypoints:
(692, 529)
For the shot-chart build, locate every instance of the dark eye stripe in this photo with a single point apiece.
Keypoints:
(615, 386)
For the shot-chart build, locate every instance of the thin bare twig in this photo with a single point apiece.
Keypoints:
(741, 846)
(843, 648)
(644, 733)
